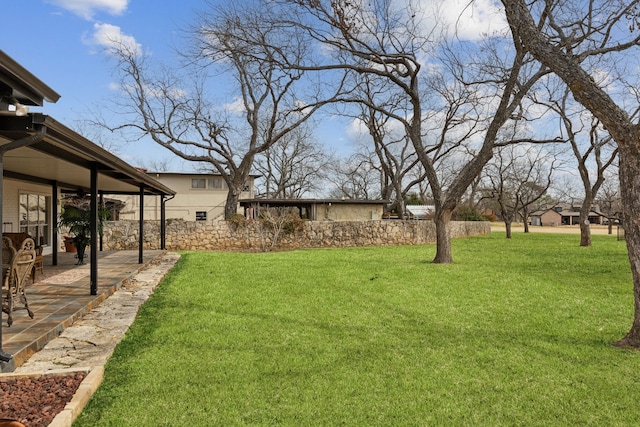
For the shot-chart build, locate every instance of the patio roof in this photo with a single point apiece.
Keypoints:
(62, 155)
(65, 157)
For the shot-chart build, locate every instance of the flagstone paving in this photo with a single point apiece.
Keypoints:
(90, 341)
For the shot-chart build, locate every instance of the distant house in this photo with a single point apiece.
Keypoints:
(199, 197)
(421, 211)
(564, 214)
(320, 209)
(111, 206)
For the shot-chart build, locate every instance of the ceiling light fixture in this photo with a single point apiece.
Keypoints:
(14, 108)
(21, 110)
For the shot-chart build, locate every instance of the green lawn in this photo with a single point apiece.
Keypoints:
(515, 332)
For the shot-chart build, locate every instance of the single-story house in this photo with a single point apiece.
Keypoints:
(564, 214)
(320, 209)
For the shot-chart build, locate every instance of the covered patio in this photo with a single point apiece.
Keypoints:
(40, 159)
(60, 296)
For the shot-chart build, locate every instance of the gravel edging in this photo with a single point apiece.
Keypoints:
(85, 391)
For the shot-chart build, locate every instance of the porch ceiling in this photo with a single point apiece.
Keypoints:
(66, 157)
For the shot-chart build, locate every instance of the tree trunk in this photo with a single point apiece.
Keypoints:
(585, 226)
(585, 232)
(507, 227)
(443, 237)
(630, 189)
(231, 205)
(399, 205)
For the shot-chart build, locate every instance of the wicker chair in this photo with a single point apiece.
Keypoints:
(8, 253)
(38, 265)
(16, 241)
(15, 278)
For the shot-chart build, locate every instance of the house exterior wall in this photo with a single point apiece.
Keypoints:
(551, 218)
(10, 205)
(348, 212)
(187, 202)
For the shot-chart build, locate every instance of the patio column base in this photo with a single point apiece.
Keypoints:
(9, 366)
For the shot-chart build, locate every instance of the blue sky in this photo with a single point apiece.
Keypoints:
(62, 42)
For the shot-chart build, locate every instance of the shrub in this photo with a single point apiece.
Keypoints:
(467, 213)
(239, 221)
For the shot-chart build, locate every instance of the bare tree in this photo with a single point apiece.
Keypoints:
(565, 38)
(609, 202)
(467, 98)
(294, 166)
(565, 188)
(271, 100)
(158, 165)
(275, 222)
(358, 177)
(473, 197)
(592, 149)
(421, 188)
(89, 130)
(396, 157)
(518, 176)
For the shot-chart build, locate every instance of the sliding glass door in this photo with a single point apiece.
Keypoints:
(35, 214)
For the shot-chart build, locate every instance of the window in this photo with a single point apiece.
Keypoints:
(34, 214)
(216, 183)
(201, 215)
(198, 183)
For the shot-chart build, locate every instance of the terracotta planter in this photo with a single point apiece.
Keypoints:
(68, 245)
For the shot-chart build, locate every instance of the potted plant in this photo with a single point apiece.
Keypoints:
(76, 220)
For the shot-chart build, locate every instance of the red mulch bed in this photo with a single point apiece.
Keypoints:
(36, 401)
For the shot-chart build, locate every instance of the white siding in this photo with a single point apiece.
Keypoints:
(186, 202)
(10, 204)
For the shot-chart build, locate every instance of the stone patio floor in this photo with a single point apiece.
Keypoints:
(61, 296)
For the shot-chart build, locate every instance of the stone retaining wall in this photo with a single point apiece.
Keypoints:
(227, 235)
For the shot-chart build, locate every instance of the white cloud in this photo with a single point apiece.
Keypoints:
(236, 106)
(88, 8)
(464, 19)
(111, 38)
(356, 130)
(471, 19)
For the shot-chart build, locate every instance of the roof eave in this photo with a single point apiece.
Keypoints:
(34, 91)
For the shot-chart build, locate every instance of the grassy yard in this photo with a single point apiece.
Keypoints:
(515, 332)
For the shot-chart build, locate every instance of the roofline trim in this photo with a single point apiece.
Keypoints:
(310, 201)
(27, 78)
